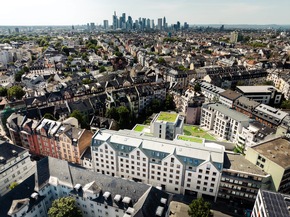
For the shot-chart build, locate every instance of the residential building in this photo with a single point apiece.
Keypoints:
(235, 37)
(270, 203)
(167, 125)
(45, 132)
(193, 110)
(228, 97)
(15, 166)
(268, 95)
(225, 122)
(245, 105)
(210, 91)
(72, 142)
(268, 115)
(241, 180)
(273, 157)
(176, 166)
(63, 140)
(254, 134)
(95, 194)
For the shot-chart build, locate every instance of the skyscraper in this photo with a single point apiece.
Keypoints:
(164, 23)
(159, 23)
(115, 21)
(106, 24)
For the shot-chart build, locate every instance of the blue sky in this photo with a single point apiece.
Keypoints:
(68, 12)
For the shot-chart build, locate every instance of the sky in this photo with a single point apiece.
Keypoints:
(78, 12)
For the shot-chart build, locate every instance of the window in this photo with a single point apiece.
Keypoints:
(176, 189)
(199, 176)
(200, 170)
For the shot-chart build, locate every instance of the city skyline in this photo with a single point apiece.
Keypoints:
(32, 12)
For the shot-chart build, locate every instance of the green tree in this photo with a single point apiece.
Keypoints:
(169, 103)
(285, 104)
(124, 114)
(13, 185)
(82, 119)
(199, 208)
(112, 113)
(3, 91)
(25, 69)
(102, 69)
(64, 207)
(15, 91)
(197, 87)
(161, 60)
(49, 116)
(18, 75)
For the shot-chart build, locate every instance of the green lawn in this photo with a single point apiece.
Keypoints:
(139, 128)
(195, 131)
(189, 138)
(166, 116)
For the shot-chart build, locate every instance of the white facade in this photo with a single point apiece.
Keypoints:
(16, 168)
(166, 129)
(176, 166)
(225, 123)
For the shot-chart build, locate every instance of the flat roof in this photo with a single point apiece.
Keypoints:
(167, 116)
(276, 113)
(277, 150)
(238, 162)
(179, 147)
(256, 89)
(229, 94)
(275, 203)
(229, 112)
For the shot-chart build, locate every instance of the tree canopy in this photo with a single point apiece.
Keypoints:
(64, 207)
(15, 91)
(3, 91)
(199, 208)
(82, 119)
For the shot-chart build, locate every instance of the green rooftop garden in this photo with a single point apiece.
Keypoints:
(190, 130)
(166, 116)
(139, 128)
(190, 138)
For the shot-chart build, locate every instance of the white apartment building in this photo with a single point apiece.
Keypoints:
(167, 125)
(210, 91)
(270, 204)
(176, 166)
(262, 94)
(15, 165)
(96, 195)
(225, 122)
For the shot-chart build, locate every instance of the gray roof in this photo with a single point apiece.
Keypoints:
(246, 103)
(227, 111)
(72, 174)
(256, 89)
(238, 162)
(9, 151)
(275, 203)
(231, 95)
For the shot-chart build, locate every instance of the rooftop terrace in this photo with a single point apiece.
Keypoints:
(167, 116)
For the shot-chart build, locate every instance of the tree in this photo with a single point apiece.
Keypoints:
(124, 114)
(15, 91)
(285, 104)
(64, 207)
(82, 119)
(197, 87)
(18, 75)
(13, 185)
(102, 69)
(199, 208)
(112, 113)
(49, 116)
(161, 60)
(3, 91)
(169, 103)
